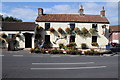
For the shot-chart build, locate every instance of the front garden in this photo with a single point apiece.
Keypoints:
(70, 49)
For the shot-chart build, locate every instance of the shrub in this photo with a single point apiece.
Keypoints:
(37, 50)
(87, 52)
(94, 44)
(42, 50)
(79, 52)
(83, 46)
(61, 45)
(97, 53)
(32, 50)
(92, 50)
(71, 45)
(52, 30)
(72, 52)
(55, 51)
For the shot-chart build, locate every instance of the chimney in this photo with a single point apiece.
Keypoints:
(40, 11)
(102, 13)
(81, 11)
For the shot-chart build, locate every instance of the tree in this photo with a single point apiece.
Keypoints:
(9, 19)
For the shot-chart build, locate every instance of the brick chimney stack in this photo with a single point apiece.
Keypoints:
(40, 11)
(81, 11)
(102, 13)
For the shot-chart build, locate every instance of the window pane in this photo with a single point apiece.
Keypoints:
(94, 26)
(94, 38)
(72, 38)
(47, 26)
(72, 26)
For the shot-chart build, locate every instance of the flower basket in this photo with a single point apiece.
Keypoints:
(60, 30)
(85, 32)
(52, 30)
(93, 31)
(17, 35)
(94, 44)
(3, 35)
(68, 30)
(77, 31)
(39, 28)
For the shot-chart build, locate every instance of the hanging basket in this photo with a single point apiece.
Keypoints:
(52, 30)
(77, 31)
(68, 30)
(39, 28)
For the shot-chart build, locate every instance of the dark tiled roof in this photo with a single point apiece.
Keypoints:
(71, 18)
(115, 28)
(18, 26)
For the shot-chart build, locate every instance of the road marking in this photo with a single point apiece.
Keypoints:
(55, 56)
(73, 55)
(17, 55)
(72, 68)
(1, 55)
(61, 63)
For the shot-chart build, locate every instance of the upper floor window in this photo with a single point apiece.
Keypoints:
(72, 26)
(47, 26)
(94, 26)
(11, 35)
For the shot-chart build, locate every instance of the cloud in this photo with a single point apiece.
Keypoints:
(22, 13)
(61, 9)
(26, 13)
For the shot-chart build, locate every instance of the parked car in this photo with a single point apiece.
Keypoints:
(115, 45)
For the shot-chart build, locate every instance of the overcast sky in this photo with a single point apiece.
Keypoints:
(27, 11)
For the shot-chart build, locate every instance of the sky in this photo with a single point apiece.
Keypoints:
(28, 11)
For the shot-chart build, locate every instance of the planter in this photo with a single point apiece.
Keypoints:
(94, 44)
(83, 46)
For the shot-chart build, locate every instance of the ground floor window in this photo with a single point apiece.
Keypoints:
(94, 38)
(72, 38)
(47, 38)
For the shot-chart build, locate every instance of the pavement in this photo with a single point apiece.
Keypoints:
(22, 64)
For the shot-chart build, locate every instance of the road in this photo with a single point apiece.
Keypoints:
(22, 64)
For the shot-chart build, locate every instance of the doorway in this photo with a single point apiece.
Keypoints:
(28, 40)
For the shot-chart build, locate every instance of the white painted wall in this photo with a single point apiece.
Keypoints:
(102, 40)
(21, 39)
